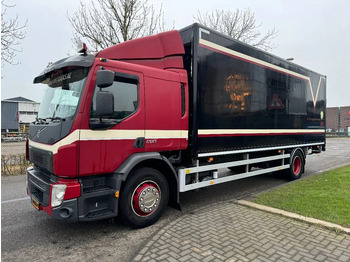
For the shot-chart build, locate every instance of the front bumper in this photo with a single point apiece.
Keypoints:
(40, 187)
(67, 211)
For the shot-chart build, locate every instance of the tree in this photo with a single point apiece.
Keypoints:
(240, 25)
(110, 22)
(11, 35)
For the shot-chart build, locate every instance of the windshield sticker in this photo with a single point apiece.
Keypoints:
(60, 78)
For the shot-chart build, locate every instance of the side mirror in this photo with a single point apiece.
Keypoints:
(105, 78)
(104, 104)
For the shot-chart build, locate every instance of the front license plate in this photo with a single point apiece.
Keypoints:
(35, 204)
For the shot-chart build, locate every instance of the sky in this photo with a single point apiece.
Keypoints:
(313, 32)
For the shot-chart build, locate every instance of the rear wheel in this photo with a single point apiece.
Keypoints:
(297, 163)
(144, 198)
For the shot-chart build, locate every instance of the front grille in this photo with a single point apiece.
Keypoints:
(41, 158)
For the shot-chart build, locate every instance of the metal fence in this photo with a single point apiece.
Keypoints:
(13, 136)
(337, 134)
(13, 148)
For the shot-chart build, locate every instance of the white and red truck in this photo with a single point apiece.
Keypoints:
(125, 131)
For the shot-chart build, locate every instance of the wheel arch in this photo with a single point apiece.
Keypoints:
(156, 161)
(302, 150)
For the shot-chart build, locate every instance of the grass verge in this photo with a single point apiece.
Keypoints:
(325, 196)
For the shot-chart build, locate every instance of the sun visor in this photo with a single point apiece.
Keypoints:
(83, 60)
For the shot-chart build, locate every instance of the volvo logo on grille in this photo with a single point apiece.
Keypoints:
(39, 131)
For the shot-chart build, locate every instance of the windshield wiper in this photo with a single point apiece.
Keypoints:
(44, 120)
(56, 118)
(40, 120)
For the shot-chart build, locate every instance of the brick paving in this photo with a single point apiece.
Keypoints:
(230, 232)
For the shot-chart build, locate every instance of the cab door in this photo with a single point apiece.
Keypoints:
(163, 111)
(106, 142)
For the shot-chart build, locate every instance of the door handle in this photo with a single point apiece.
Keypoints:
(139, 142)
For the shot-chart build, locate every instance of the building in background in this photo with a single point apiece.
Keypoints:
(345, 118)
(338, 120)
(17, 113)
(332, 119)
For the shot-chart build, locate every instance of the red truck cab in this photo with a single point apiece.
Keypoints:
(105, 119)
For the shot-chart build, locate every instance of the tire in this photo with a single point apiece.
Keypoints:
(297, 163)
(144, 198)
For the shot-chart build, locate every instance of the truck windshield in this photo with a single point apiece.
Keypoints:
(63, 93)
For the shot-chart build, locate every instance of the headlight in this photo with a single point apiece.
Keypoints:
(57, 194)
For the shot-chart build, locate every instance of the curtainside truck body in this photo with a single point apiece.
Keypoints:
(125, 131)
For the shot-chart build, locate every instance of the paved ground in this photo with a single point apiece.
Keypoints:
(12, 148)
(230, 232)
(28, 235)
(226, 231)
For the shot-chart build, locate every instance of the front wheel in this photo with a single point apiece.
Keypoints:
(144, 198)
(297, 163)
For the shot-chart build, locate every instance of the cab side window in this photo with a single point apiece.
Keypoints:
(126, 99)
